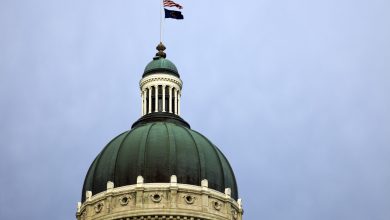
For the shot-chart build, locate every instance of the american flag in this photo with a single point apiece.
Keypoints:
(169, 3)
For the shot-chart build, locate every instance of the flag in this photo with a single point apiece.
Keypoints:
(169, 3)
(173, 14)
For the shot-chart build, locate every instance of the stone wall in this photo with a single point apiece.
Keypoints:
(157, 201)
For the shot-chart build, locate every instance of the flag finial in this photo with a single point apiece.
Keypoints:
(160, 47)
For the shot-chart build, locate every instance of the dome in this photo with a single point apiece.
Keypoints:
(161, 64)
(156, 150)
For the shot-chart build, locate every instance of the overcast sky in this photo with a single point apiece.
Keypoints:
(295, 93)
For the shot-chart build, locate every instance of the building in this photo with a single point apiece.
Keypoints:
(160, 169)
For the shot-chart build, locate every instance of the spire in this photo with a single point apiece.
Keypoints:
(160, 47)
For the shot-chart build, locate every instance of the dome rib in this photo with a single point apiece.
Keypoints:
(219, 160)
(117, 154)
(94, 176)
(172, 150)
(233, 185)
(157, 155)
(187, 164)
(142, 152)
(200, 158)
(222, 166)
(94, 166)
(87, 179)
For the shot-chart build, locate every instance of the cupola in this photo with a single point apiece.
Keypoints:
(161, 85)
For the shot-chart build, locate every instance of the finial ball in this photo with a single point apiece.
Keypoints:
(160, 47)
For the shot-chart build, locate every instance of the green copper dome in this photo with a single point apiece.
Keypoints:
(156, 150)
(161, 64)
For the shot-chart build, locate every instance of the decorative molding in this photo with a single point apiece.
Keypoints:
(161, 78)
(217, 205)
(156, 197)
(160, 217)
(189, 199)
(234, 214)
(124, 200)
(141, 200)
(98, 207)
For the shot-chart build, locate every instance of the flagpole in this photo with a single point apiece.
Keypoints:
(161, 21)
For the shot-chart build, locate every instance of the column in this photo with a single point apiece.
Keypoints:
(163, 98)
(156, 98)
(170, 99)
(178, 103)
(150, 99)
(144, 101)
(176, 93)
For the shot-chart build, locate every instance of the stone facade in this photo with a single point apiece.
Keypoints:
(156, 201)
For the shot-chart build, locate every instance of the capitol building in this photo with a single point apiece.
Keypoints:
(161, 168)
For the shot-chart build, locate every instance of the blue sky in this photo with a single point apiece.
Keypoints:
(295, 93)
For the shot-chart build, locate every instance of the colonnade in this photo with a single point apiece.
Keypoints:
(160, 98)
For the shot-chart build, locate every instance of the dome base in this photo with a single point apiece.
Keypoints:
(160, 201)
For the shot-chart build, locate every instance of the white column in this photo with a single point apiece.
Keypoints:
(176, 93)
(150, 99)
(163, 98)
(156, 99)
(170, 99)
(144, 101)
(178, 103)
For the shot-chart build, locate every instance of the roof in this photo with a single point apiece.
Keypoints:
(157, 150)
(161, 64)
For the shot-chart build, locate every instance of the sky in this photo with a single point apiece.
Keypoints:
(295, 93)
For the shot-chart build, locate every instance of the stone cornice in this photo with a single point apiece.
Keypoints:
(160, 77)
